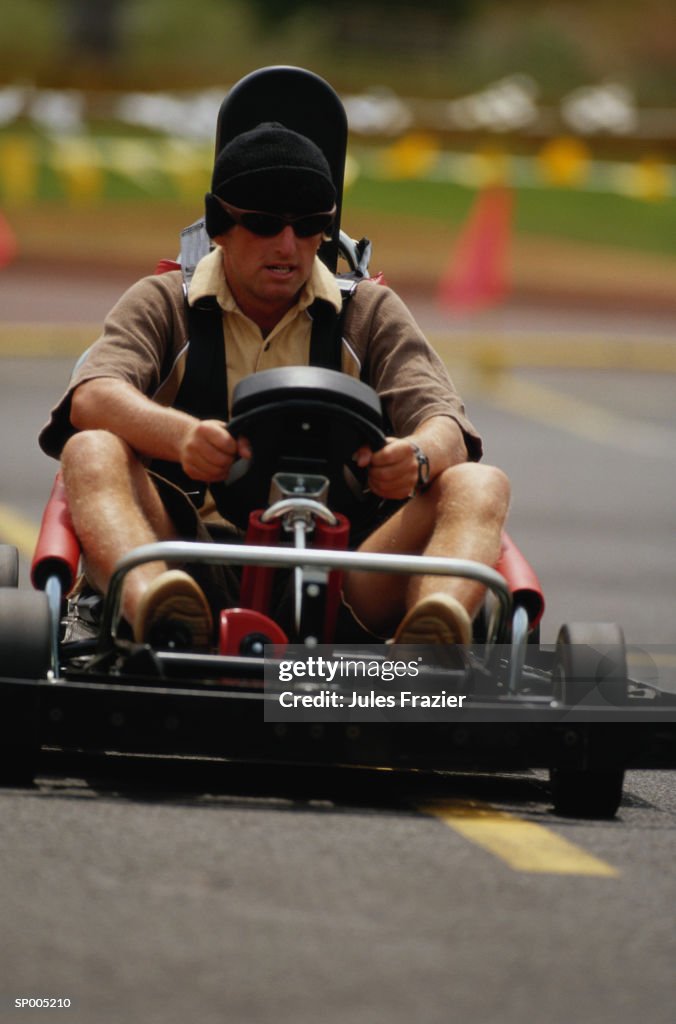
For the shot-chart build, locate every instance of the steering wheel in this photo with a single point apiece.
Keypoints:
(301, 419)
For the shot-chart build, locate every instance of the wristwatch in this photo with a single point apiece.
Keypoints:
(423, 469)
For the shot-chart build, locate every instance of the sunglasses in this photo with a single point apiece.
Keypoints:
(269, 224)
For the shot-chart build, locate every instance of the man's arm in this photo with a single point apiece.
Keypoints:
(204, 448)
(393, 471)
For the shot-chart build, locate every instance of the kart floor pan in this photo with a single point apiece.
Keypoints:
(228, 723)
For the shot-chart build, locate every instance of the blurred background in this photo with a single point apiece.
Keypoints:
(570, 107)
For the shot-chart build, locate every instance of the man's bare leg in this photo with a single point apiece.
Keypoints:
(461, 516)
(115, 507)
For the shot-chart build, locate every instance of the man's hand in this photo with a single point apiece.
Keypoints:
(207, 450)
(393, 470)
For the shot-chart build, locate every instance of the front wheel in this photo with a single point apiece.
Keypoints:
(25, 658)
(25, 634)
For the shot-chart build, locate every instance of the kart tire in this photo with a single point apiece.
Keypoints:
(586, 793)
(9, 566)
(25, 654)
(25, 634)
(590, 663)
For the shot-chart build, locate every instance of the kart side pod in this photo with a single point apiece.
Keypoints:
(57, 553)
(523, 584)
(56, 561)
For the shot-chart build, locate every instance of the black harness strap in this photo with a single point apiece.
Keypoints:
(326, 337)
(204, 388)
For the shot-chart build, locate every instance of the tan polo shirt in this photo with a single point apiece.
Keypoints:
(145, 342)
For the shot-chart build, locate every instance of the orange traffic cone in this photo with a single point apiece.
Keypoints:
(477, 274)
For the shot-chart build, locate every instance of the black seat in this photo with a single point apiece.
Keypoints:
(303, 102)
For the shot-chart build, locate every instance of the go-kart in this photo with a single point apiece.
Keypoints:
(573, 710)
(507, 702)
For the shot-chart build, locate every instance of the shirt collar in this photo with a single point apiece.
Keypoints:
(209, 281)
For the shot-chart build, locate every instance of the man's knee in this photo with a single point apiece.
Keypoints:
(485, 488)
(94, 453)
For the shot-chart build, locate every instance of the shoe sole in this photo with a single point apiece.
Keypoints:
(428, 629)
(176, 598)
(437, 619)
(184, 610)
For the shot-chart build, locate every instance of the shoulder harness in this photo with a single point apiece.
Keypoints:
(203, 392)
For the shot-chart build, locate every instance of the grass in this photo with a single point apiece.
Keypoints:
(595, 217)
(601, 218)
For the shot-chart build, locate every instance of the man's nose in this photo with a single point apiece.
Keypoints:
(286, 239)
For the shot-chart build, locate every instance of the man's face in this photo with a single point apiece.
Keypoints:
(265, 275)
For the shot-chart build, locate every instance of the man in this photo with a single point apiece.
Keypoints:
(271, 203)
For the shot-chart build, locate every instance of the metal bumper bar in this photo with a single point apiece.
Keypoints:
(289, 558)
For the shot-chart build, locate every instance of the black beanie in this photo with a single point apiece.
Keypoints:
(270, 168)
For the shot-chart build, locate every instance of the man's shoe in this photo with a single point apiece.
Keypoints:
(174, 611)
(435, 619)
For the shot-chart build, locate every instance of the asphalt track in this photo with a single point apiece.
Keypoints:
(252, 896)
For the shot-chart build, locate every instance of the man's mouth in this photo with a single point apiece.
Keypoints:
(281, 269)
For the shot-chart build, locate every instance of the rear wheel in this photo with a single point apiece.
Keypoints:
(9, 566)
(25, 654)
(590, 665)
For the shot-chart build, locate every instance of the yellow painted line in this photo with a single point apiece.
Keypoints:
(575, 351)
(575, 416)
(523, 845)
(16, 530)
